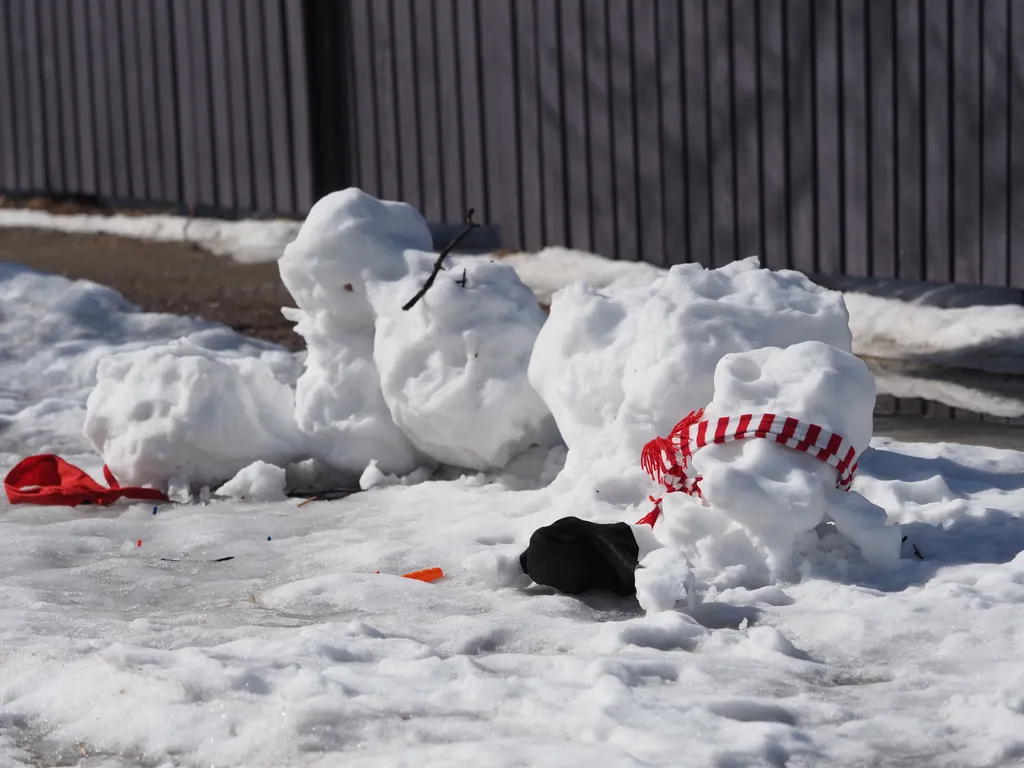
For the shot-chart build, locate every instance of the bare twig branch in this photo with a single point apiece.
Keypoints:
(470, 226)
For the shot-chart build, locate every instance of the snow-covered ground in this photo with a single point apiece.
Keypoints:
(306, 648)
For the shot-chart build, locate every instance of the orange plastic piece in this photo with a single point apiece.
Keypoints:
(427, 574)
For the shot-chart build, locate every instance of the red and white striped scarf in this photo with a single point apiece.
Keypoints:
(666, 459)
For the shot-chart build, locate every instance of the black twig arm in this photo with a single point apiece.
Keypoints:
(470, 226)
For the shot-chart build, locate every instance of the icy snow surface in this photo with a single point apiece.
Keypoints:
(298, 652)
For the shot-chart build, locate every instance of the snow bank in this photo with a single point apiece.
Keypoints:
(445, 380)
(985, 338)
(55, 332)
(180, 414)
(619, 366)
(248, 241)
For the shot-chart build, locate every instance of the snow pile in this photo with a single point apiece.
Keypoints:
(445, 380)
(181, 415)
(347, 240)
(56, 332)
(259, 481)
(620, 366)
(778, 494)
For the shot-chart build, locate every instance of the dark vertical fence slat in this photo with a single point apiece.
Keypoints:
(101, 94)
(150, 84)
(467, 70)
(995, 111)
(220, 98)
(8, 129)
(599, 106)
(37, 117)
(407, 103)
(54, 150)
(133, 96)
(828, 157)
(647, 104)
(185, 113)
(866, 136)
(299, 107)
(624, 136)
(854, 132)
(166, 97)
(800, 85)
(937, 178)
(453, 158)
(967, 138)
(113, 46)
(238, 104)
(774, 204)
(881, 137)
(718, 25)
(390, 156)
(674, 168)
(746, 105)
(259, 124)
(696, 115)
(528, 96)
(885, 405)
(909, 203)
(68, 95)
(577, 127)
(1016, 128)
(201, 114)
(501, 121)
(277, 106)
(19, 93)
(552, 150)
(433, 175)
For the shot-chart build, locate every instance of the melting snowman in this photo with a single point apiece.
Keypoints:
(755, 478)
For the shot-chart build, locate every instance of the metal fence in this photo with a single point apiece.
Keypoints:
(858, 137)
(157, 102)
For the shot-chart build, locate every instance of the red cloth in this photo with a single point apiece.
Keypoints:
(49, 480)
(666, 459)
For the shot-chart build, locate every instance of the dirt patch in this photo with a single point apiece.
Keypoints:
(164, 277)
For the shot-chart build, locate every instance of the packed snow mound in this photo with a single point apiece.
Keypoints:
(55, 334)
(180, 414)
(259, 481)
(453, 368)
(445, 380)
(619, 366)
(775, 492)
(348, 238)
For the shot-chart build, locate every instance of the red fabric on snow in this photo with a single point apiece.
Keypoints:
(49, 480)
